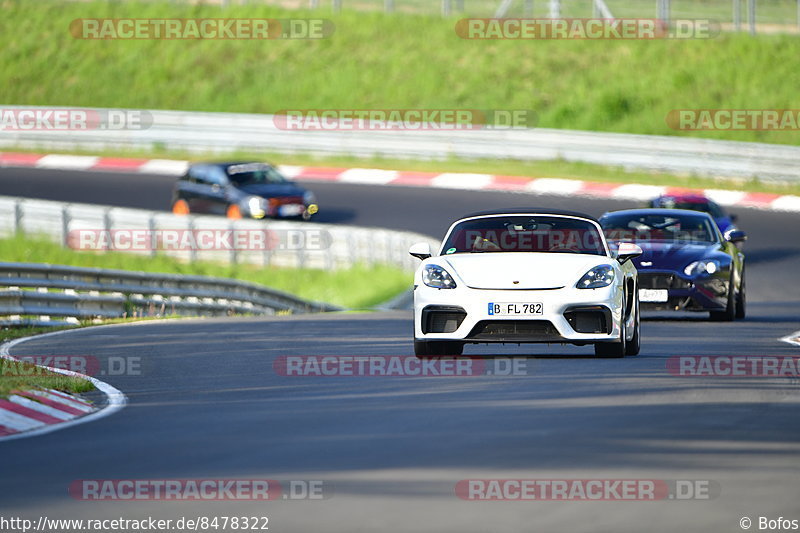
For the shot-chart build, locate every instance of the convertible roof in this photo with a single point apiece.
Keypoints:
(658, 211)
(531, 210)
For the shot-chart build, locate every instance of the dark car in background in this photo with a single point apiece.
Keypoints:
(241, 190)
(686, 264)
(697, 202)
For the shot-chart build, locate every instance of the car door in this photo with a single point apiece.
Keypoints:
(204, 190)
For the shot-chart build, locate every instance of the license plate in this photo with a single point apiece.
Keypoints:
(290, 210)
(514, 309)
(653, 295)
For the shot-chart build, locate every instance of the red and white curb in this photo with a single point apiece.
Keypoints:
(447, 180)
(35, 409)
(36, 412)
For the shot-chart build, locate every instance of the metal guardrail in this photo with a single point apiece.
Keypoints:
(226, 132)
(340, 246)
(45, 291)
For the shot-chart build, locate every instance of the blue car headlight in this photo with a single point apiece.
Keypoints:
(597, 277)
(706, 267)
(437, 277)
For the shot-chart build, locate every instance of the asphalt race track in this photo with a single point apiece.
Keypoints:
(389, 451)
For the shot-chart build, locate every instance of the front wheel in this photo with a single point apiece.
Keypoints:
(613, 349)
(437, 348)
(729, 314)
(635, 344)
(741, 300)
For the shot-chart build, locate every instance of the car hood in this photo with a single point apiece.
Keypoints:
(531, 270)
(671, 256)
(273, 190)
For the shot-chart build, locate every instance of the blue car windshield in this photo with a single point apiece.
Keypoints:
(254, 174)
(650, 227)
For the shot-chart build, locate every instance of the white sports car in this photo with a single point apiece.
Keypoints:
(526, 276)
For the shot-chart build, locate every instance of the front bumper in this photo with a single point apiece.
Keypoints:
(685, 293)
(569, 315)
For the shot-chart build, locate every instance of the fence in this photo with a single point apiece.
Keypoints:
(46, 291)
(765, 16)
(34, 292)
(220, 133)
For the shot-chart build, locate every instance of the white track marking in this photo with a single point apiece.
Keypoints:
(116, 399)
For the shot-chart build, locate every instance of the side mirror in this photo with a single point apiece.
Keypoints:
(627, 251)
(736, 236)
(420, 250)
(733, 217)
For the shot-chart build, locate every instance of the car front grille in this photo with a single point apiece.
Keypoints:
(442, 319)
(660, 280)
(590, 319)
(515, 330)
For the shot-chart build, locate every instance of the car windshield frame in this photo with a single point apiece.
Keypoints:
(635, 234)
(596, 245)
(264, 174)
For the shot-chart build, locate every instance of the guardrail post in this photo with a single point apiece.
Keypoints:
(234, 257)
(737, 14)
(17, 217)
(192, 249)
(151, 227)
(65, 219)
(751, 15)
(107, 228)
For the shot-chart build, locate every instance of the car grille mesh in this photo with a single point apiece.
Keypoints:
(656, 280)
(510, 330)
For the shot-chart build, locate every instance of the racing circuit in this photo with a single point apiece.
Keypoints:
(391, 450)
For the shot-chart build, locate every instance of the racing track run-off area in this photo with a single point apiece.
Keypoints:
(213, 401)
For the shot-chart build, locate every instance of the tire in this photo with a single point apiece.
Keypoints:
(741, 300)
(437, 348)
(633, 346)
(729, 314)
(613, 349)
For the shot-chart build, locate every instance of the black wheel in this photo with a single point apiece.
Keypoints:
(635, 344)
(730, 307)
(613, 349)
(741, 300)
(437, 348)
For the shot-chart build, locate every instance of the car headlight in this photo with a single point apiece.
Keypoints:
(437, 277)
(257, 206)
(701, 268)
(599, 276)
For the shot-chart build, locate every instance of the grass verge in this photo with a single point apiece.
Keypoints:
(391, 61)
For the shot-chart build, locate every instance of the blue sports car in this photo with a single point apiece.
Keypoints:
(697, 202)
(686, 264)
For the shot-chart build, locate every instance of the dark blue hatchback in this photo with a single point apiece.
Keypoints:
(241, 190)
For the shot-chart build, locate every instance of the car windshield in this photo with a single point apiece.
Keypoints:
(525, 233)
(254, 173)
(651, 227)
(705, 207)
